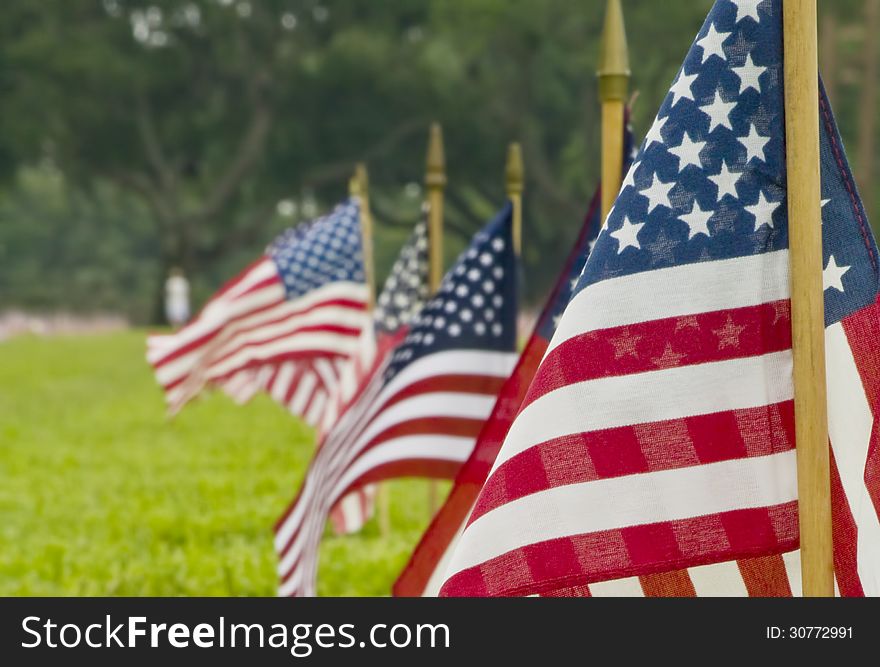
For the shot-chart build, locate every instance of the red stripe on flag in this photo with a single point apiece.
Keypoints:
(260, 342)
(570, 592)
(629, 450)
(274, 360)
(410, 467)
(221, 326)
(675, 584)
(461, 383)
(667, 343)
(765, 576)
(229, 333)
(271, 383)
(615, 554)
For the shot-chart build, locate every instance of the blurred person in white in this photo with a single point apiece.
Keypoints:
(177, 298)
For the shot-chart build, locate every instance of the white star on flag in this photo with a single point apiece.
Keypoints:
(688, 152)
(754, 144)
(697, 220)
(763, 211)
(654, 135)
(726, 181)
(832, 275)
(747, 9)
(719, 112)
(749, 75)
(712, 42)
(682, 88)
(657, 193)
(626, 235)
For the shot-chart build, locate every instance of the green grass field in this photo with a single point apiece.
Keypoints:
(101, 495)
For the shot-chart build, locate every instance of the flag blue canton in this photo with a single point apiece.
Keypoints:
(406, 288)
(475, 306)
(709, 180)
(325, 250)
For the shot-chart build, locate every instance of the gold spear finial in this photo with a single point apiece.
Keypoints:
(513, 171)
(435, 168)
(613, 68)
(514, 174)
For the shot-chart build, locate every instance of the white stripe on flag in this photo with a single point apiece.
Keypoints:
(304, 389)
(211, 321)
(671, 393)
(282, 381)
(688, 289)
(720, 580)
(633, 500)
(792, 562)
(436, 580)
(446, 448)
(243, 308)
(628, 587)
(849, 425)
(436, 447)
(324, 341)
(316, 408)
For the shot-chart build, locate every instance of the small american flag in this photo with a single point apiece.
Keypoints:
(402, 298)
(424, 572)
(658, 432)
(424, 404)
(298, 310)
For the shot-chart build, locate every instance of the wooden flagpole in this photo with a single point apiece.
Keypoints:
(359, 187)
(435, 182)
(514, 176)
(807, 294)
(613, 73)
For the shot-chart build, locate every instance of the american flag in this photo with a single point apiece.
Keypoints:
(402, 298)
(297, 312)
(658, 432)
(425, 403)
(424, 572)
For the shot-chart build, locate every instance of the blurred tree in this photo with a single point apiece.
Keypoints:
(229, 119)
(106, 262)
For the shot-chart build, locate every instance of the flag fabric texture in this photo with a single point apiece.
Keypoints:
(658, 433)
(297, 312)
(424, 404)
(423, 573)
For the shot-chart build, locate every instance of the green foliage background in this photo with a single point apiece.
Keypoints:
(136, 135)
(101, 497)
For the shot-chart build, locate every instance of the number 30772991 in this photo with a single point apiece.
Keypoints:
(809, 632)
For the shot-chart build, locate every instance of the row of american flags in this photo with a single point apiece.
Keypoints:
(641, 442)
